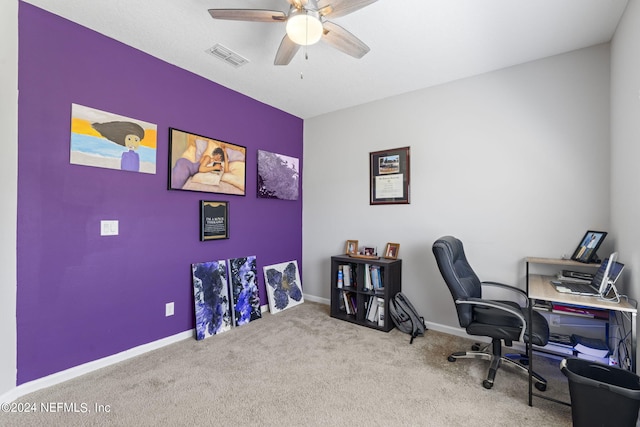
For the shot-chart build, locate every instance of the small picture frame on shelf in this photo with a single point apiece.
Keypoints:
(351, 248)
(369, 251)
(391, 251)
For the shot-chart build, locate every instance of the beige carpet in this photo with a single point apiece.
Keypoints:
(301, 367)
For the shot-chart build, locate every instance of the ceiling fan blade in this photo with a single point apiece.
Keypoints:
(338, 8)
(343, 40)
(286, 51)
(253, 15)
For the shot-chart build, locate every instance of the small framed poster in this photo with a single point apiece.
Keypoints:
(389, 176)
(214, 220)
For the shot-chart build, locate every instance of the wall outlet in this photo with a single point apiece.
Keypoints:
(169, 309)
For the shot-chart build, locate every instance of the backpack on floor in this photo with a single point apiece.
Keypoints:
(405, 316)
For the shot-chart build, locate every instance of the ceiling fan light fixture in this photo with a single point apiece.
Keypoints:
(304, 27)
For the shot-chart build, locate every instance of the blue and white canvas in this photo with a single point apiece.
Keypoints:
(211, 295)
(284, 289)
(243, 274)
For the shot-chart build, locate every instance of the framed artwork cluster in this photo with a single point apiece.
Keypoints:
(205, 164)
(226, 292)
(390, 252)
(225, 295)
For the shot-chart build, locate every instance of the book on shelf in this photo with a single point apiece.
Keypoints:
(353, 303)
(376, 277)
(346, 275)
(345, 299)
(577, 275)
(542, 304)
(580, 311)
(568, 279)
(340, 277)
(367, 277)
(603, 360)
(349, 302)
(381, 313)
(372, 313)
(590, 346)
(558, 348)
(560, 339)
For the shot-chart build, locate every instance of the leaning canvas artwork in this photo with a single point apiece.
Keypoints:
(106, 140)
(244, 289)
(278, 176)
(211, 295)
(283, 286)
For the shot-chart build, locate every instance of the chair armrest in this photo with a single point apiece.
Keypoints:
(500, 306)
(519, 292)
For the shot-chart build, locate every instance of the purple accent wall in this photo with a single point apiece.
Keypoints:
(81, 296)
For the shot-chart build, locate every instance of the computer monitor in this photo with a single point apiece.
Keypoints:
(608, 273)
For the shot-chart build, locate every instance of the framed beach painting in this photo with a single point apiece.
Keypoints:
(284, 289)
(106, 140)
(211, 296)
(278, 176)
(200, 163)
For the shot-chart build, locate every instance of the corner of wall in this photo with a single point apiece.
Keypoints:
(8, 194)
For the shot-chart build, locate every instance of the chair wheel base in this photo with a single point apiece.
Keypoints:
(487, 384)
(451, 359)
(541, 386)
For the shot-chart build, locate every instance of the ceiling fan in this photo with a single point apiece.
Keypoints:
(306, 24)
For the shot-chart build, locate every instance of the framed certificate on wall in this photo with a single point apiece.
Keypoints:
(389, 176)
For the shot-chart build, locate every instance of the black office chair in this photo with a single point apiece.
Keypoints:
(499, 320)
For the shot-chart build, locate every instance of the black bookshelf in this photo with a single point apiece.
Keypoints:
(359, 297)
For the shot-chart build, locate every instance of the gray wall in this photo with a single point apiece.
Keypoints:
(514, 162)
(625, 145)
(8, 191)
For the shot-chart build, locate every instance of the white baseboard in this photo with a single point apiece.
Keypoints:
(79, 370)
(314, 298)
(85, 368)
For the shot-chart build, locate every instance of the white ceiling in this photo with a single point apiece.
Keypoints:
(414, 43)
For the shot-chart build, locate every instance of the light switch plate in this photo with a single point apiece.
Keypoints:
(169, 309)
(109, 228)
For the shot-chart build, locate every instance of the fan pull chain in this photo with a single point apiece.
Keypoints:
(306, 57)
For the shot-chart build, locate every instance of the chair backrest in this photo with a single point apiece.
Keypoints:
(462, 281)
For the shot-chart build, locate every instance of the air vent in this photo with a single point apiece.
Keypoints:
(227, 55)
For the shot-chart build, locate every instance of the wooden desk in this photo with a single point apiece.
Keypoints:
(540, 288)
